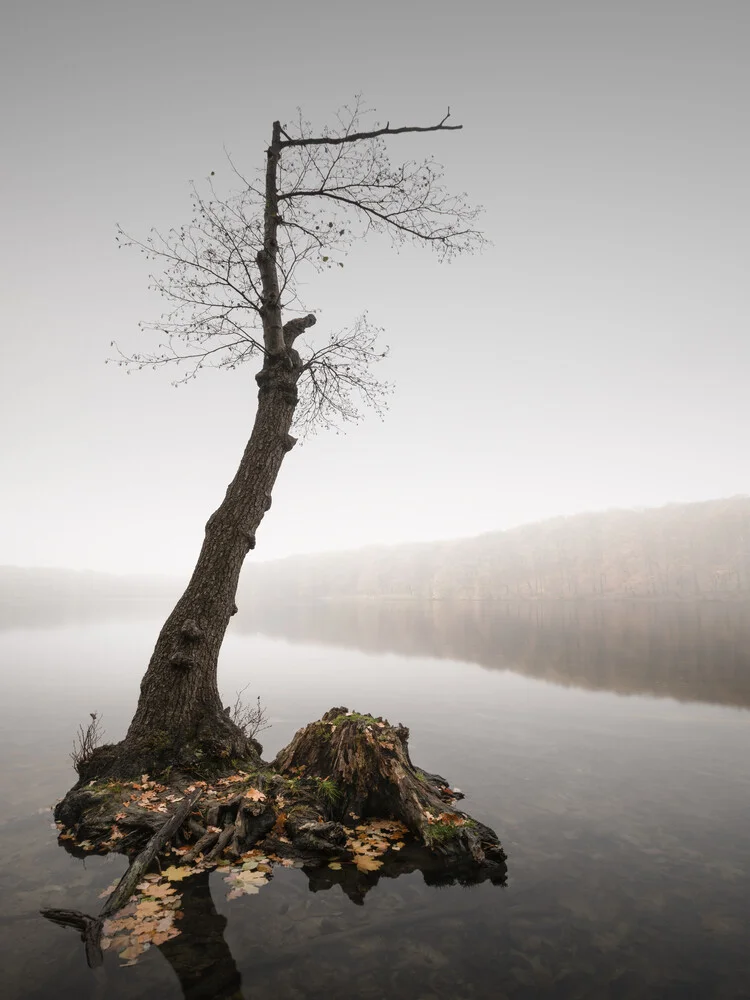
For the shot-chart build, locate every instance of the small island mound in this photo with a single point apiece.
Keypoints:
(343, 801)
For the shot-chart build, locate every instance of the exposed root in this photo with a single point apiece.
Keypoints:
(344, 792)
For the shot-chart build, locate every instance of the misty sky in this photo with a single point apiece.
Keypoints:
(596, 355)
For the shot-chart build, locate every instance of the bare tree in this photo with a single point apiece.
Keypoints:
(232, 278)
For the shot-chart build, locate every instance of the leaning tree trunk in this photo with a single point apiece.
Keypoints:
(179, 711)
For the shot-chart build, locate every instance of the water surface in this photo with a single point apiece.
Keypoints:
(609, 747)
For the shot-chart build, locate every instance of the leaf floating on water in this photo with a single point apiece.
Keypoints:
(147, 908)
(160, 891)
(175, 874)
(336, 865)
(366, 864)
(244, 882)
(143, 922)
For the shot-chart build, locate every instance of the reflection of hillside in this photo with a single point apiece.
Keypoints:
(690, 651)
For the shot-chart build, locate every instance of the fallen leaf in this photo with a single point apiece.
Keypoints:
(250, 878)
(161, 891)
(130, 953)
(365, 864)
(254, 795)
(163, 936)
(336, 865)
(147, 908)
(175, 874)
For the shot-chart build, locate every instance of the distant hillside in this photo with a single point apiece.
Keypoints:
(695, 550)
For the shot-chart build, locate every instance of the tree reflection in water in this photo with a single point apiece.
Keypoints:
(689, 650)
(200, 955)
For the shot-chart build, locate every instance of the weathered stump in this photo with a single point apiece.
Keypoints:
(359, 765)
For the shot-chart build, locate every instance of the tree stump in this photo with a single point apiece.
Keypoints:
(359, 765)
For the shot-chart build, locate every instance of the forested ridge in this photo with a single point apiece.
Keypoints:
(691, 550)
(684, 551)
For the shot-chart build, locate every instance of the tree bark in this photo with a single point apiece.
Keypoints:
(179, 709)
(179, 692)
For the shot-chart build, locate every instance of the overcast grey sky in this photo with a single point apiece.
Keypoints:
(597, 355)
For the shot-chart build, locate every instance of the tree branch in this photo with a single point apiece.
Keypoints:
(294, 327)
(356, 136)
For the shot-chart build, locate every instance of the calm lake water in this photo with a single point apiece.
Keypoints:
(608, 746)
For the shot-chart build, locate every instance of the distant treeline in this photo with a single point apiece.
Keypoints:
(38, 596)
(695, 550)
